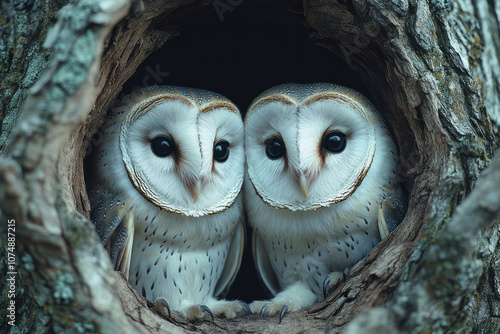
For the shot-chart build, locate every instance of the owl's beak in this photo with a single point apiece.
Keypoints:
(303, 184)
(195, 190)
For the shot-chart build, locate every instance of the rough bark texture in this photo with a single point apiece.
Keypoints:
(23, 26)
(432, 69)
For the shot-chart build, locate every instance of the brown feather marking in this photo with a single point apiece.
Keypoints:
(220, 105)
(141, 108)
(321, 150)
(332, 96)
(273, 98)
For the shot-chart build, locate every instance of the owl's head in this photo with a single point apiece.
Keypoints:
(182, 149)
(311, 145)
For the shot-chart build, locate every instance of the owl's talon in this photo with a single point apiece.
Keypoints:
(205, 308)
(332, 281)
(326, 282)
(346, 273)
(161, 304)
(262, 311)
(247, 308)
(284, 310)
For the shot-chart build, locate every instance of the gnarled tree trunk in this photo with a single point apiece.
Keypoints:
(431, 67)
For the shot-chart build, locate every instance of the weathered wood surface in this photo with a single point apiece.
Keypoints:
(23, 25)
(432, 68)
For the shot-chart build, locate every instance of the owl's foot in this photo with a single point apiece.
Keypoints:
(333, 280)
(216, 308)
(197, 312)
(270, 308)
(291, 299)
(229, 309)
(194, 312)
(161, 305)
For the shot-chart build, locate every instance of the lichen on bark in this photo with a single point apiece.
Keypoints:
(23, 26)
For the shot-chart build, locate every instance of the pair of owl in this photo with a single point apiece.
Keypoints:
(320, 191)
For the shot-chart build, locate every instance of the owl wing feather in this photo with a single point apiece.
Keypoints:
(263, 264)
(392, 210)
(123, 260)
(106, 222)
(233, 261)
(115, 227)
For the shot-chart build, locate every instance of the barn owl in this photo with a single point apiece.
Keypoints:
(320, 190)
(164, 194)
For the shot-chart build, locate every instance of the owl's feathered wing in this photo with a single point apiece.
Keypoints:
(263, 265)
(233, 261)
(125, 254)
(392, 210)
(115, 226)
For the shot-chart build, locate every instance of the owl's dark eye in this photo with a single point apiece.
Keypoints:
(162, 146)
(334, 142)
(275, 148)
(221, 151)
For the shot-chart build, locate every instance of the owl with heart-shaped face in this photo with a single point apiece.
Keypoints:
(321, 189)
(164, 191)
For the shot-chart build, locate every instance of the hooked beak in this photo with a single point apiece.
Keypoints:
(303, 184)
(195, 190)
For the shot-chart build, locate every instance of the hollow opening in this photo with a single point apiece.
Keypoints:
(239, 53)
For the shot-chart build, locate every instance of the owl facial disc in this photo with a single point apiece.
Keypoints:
(178, 150)
(308, 146)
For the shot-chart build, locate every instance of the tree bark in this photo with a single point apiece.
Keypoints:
(431, 67)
